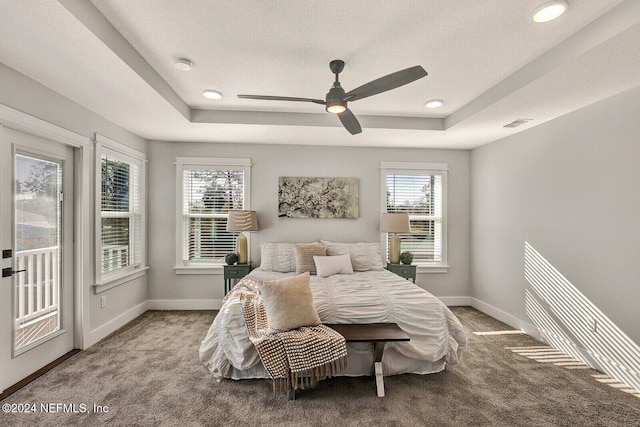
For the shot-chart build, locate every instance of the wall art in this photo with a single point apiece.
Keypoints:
(311, 197)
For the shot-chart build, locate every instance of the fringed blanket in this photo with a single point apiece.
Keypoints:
(298, 358)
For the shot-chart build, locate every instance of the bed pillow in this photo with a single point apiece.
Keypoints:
(304, 256)
(329, 265)
(364, 256)
(277, 257)
(289, 303)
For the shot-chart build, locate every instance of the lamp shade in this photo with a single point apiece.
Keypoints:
(240, 220)
(395, 223)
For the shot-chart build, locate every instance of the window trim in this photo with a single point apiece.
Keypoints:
(104, 145)
(421, 168)
(181, 266)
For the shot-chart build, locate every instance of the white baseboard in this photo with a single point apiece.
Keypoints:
(184, 304)
(526, 327)
(114, 324)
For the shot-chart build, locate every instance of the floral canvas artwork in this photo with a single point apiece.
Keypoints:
(310, 197)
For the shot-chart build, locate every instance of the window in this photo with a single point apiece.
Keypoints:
(206, 190)
(120, 207)
(419, 189)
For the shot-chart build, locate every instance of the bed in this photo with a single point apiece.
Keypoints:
(370, 294)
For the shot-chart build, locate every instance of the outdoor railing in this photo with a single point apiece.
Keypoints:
(37, 287)
(114, 257)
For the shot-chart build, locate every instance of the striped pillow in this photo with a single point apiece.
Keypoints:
(304, 256)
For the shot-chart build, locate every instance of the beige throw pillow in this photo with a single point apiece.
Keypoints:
(289, 303)
(304, 256)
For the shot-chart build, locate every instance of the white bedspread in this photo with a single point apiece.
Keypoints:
(437, 337)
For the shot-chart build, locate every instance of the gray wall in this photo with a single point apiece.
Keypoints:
(272, 161)
(28, 96)
(21, 93)
(569, 188)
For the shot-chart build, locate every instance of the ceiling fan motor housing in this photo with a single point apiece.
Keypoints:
(334, 99)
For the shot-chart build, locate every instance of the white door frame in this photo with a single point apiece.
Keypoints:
(83, 158)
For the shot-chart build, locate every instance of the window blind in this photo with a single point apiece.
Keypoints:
(208, 195)
(419, 194)
(121, 214)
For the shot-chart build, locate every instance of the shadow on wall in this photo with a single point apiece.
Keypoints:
(573, 324)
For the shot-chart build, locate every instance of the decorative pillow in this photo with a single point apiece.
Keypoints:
(364, 256)
(304, 256)
(277, 257)
(289, 303)
(329, 265)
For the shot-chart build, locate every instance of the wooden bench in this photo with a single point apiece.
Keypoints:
(377, 333)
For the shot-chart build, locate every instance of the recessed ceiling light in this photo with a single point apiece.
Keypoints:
(434, 103)
(211, 94)
(549, 11)
(183, 64)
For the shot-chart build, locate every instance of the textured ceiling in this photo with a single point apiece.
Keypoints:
(487, 60)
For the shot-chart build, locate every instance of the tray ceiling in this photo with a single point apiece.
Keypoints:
(487, 60)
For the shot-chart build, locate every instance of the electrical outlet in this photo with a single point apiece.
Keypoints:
(103, 301)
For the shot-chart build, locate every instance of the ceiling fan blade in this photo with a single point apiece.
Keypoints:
(350, 122)
(388, 82)
(282, 98)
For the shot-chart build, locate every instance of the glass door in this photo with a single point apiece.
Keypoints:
(36, 234)
(38, 242)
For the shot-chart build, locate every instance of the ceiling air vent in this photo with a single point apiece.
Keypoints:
(516, 123)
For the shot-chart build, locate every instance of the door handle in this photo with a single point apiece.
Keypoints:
(6, 272)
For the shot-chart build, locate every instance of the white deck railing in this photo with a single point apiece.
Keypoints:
(114, 257)
(37, 287)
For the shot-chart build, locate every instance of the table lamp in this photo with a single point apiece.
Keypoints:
(241, 220)
(395, 223)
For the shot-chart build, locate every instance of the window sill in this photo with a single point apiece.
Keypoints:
(112, 282)
(432, 269)
(198, 269)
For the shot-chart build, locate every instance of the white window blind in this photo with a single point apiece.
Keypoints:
(120, 212)
(208, 192)
(420, 192)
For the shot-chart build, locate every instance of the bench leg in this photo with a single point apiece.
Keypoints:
(378, 349)
(291, 393)
(379, 379)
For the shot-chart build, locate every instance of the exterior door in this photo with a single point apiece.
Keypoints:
(36, 291)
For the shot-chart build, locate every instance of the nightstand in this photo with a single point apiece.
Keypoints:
(407, 271)
(237, 271)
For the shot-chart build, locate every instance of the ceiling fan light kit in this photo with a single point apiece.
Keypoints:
(336, 108)
(549, 11)
(336, 99)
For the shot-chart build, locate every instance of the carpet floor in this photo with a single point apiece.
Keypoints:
(148, 373)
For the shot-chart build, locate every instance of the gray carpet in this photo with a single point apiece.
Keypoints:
(148, 373)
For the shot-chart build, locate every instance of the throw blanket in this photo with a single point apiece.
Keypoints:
(298, 358)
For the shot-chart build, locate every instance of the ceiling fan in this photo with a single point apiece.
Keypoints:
(336, 99)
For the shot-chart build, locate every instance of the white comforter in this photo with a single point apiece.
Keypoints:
(437, 337)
